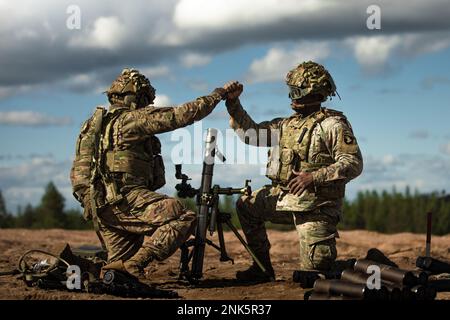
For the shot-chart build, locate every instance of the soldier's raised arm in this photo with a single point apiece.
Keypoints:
(246, 127)
(151, 120)
(345, 151)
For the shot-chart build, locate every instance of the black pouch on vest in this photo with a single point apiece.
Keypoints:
(159, 173)
(158, 169)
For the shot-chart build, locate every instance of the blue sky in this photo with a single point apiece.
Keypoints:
(394, 82)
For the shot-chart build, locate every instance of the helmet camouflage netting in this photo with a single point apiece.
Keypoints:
(310, 78)
(131, 81)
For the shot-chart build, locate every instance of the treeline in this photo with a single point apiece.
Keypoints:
(392, 212)
(50, 213)
(388, 212)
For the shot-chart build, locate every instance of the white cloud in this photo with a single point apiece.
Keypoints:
(372, 53)
(8, 91)
(24, 182)
(85, 82)
(191, 59)
(425, 172)
(31, 118)
(278, 61)
(42, 50)
(162, 100)
(391, 160)
(414, 44)
(155, 72)
(107, 33)
(98, 82)
(376, 54)
(219, 14)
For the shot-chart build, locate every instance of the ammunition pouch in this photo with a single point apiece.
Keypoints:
(273, 164)
(313, 196)
(279, 167)
(113, 195)
(126, 161)
(159, 173)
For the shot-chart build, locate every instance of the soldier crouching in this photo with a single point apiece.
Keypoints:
(118, 168)
(314, 156)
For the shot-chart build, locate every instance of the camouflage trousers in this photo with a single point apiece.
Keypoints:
(145, 232)
(316, 230)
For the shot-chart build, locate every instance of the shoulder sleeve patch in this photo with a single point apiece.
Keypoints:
(348, 138)
(347, 142)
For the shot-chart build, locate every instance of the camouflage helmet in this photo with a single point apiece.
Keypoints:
(131, 81)
(310, 78)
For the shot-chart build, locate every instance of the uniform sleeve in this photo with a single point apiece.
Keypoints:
(151, 121)
(345, 152)
(259, 134)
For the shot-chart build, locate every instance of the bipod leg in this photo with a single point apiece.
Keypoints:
(223, 252)
(244, 243)
(185, 258)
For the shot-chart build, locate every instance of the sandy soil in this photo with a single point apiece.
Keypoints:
(218, 281)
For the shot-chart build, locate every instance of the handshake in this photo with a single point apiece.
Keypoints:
(231, 90)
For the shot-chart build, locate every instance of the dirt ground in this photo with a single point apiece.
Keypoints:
(218, 283)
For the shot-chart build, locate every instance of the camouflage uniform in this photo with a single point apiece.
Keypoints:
(135, 222)
(321, 143)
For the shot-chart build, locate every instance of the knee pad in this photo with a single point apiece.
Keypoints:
(323, 254)
(317, 245)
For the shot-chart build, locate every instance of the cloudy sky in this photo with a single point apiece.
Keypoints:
(394, 82)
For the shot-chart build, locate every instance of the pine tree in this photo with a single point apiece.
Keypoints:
(75, 221)
(27, 218)
(50, 213)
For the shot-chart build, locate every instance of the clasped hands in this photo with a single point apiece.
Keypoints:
(233, 90)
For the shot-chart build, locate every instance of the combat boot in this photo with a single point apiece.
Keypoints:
(135, 269)
(130, 268)
(255, 274)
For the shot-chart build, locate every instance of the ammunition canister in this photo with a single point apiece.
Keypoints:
(388, 273)
(422, 276)
(419, 292)
(354, 276)
(433, 265)
(342, 287)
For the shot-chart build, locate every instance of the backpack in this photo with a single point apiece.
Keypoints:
(84, 166)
